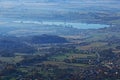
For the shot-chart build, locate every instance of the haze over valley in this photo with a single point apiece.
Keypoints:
(59, 40)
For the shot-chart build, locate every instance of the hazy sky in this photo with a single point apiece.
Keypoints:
(42, 3)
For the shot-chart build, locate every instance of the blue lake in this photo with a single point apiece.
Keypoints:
(79, 25)
(76, 25)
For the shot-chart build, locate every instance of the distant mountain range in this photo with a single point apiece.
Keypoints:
(28, 9)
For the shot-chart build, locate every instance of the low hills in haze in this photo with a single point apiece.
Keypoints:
(10, 45)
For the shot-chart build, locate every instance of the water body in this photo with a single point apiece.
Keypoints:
(76, 25)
